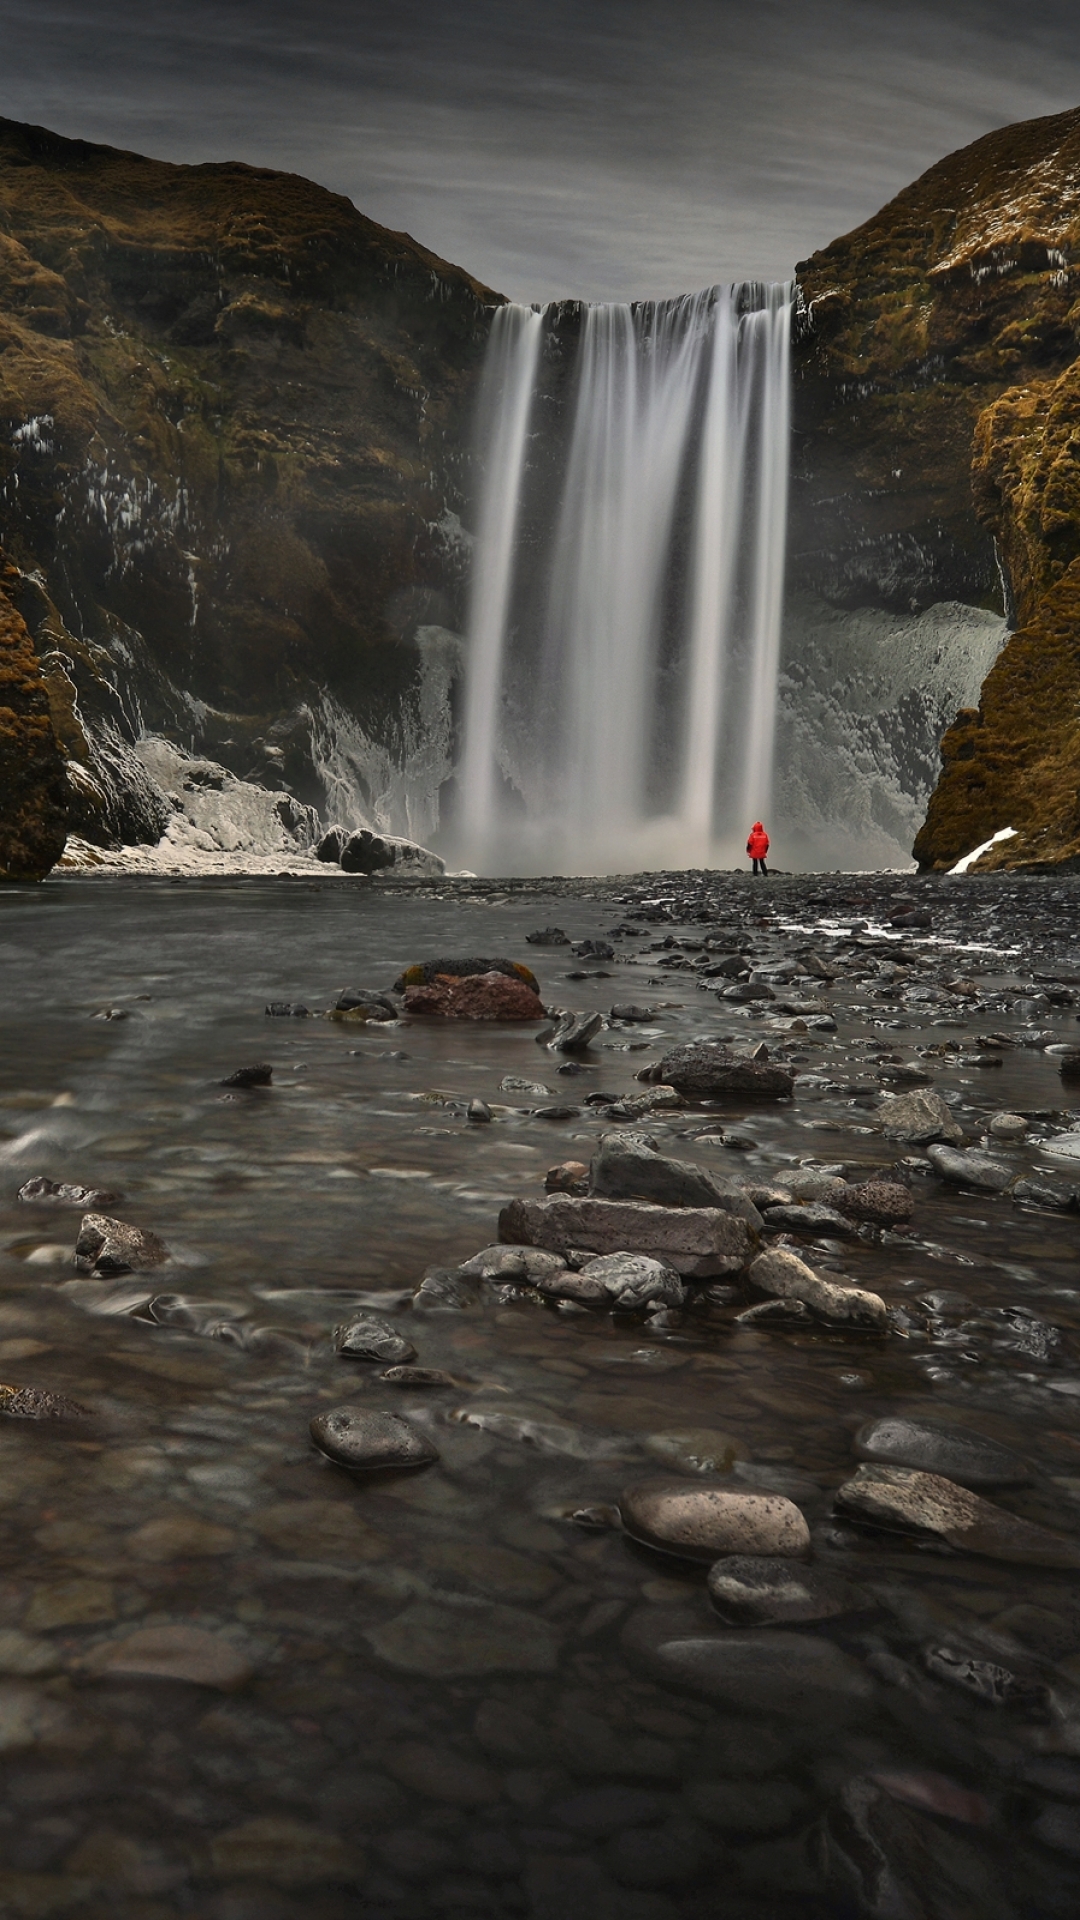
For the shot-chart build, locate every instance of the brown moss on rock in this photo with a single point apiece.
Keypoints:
(233, 433)
(938, 399)
(1015, 761)
(33, 784)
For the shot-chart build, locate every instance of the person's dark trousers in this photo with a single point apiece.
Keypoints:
(760, 867)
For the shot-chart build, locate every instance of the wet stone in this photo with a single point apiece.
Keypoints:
(751, 1591)
(699, 1242)
(42, 1192)
(810, 1218)
(919, 1117)
(34, 1403)
(445, 1290)
(695, 1450)
(364, 1003)
(702, 1523)
(368, 1441)
(907, 1501)
(530, 1264)
(108, 1246)
(775, 1673)
(454, 1642)
(407, 1376)
(784, 1276)
(972, 1169)
(705, 1070)
(257, 1076)
(369, 1337)
(174, 1653)
(632, 1280)
(284, 1852)
(953, 1452)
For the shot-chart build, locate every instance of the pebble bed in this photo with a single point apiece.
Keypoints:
(517, 1674)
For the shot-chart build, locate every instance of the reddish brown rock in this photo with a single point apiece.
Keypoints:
(480, 996)
(882, 1203)
(572, 1176)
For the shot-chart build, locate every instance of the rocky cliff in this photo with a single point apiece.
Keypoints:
(233, 423)
(938, 459)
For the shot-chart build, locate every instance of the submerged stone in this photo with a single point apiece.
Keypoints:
(444, 1642)
(748, 1590)
(365, 1441)
(174, 1653)
(792, 1674)
(950, 1451)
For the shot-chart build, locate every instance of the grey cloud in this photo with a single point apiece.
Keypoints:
(608, 148)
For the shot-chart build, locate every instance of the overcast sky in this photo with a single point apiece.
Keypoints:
(603, 148)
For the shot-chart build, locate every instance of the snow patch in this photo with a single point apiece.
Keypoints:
(969, 859)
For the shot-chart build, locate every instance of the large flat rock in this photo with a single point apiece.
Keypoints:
(701, 1243)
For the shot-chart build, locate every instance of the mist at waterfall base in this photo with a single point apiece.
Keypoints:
(623, 635)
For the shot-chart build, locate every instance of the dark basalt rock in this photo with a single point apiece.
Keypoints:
(332, 844)
(705, 1070)
(258, 1076)
(365, 1003)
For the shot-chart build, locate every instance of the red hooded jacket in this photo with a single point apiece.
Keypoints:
(758, 844)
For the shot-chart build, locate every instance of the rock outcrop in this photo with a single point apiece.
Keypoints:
(937, 395)
(33, 782)
(232, 421)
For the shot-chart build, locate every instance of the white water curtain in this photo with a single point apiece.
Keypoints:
(624, 690)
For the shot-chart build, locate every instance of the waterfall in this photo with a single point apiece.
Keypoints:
(624, 622)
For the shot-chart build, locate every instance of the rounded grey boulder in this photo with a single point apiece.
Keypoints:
(365, 1441)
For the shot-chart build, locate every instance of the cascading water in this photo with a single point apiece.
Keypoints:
(624, 623)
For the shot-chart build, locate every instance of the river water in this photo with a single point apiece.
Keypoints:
(435, 1692)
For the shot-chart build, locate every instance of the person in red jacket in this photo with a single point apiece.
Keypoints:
(757, 847)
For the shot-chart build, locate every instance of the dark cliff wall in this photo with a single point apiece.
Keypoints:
(937, 456)
(232, 421)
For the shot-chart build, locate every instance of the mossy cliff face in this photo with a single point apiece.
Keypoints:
(232, 415)
(938, 457)
(33, 782)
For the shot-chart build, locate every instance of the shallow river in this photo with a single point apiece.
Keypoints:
(437, 1692)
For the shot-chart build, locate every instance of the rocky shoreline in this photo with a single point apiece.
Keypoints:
(578, 1461)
